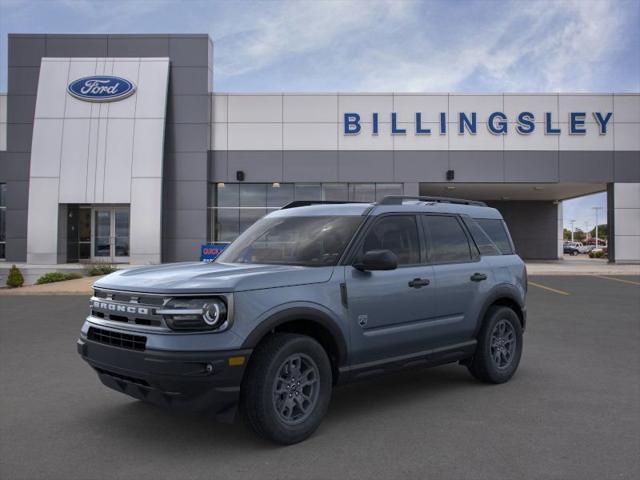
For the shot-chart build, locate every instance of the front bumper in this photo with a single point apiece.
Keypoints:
(196, 381)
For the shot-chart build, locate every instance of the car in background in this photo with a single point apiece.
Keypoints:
(572, 248)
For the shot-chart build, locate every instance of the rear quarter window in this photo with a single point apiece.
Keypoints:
(498, 233)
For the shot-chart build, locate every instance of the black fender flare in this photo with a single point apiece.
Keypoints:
(300, 313)
(499, 292)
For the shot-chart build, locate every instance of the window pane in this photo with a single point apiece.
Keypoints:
(253, 195)
(3, 194)
(497, 232)
(308, 191)
(227, 223)
(385, 189)
(84, 224)
(398, 234)
(248, 216)
(362, 192)
(335, 192)
(2, 250)
(228, 195)
(279, 196)
(448, 242)
(482, 240)
(3, 233)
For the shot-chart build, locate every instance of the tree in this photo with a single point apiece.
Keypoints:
(579, 235)
(566, 234)
(603, 231)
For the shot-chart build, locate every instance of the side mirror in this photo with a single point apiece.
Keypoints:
(377, 260)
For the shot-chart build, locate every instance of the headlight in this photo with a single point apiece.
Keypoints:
(195, 314)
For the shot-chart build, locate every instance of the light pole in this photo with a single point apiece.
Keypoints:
(596, 210)
(572, 222)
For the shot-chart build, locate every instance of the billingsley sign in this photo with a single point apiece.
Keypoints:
(101, 88)
(497, 123)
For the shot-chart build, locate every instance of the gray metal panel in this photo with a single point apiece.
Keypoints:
(218, 166)
(138, 46)
(586, 166)
(531, 166)
(16, 223)
(15, 167)
(23, 80)
(477, 166)
(365, 166)
(185, 223)
(26, 50)
(533, 226)
(22, 108)
(19, 137)
(17, 195)
(310, 166)
(16, 250)
(626, 166)
(76, 46)
(188, 109)
(182, 249)
(258, 165)
(426, 166)
(189, 51)
(187, 137)
(185, 195)
(185, 166)
(188, 80)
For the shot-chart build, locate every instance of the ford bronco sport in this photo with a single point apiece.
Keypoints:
(313, 295)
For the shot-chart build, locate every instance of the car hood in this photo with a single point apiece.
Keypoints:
(198, 277)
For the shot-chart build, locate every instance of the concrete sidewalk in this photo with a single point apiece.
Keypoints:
(80, 286)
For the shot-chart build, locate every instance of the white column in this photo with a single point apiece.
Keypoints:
(626, 211)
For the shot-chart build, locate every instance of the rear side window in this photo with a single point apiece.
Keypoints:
(482, 240)
(497, 231)
(447, 241)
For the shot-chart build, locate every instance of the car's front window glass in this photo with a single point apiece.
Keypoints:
(309, 241)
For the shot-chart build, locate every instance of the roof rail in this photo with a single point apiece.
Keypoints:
(306, 203)
(398, 199)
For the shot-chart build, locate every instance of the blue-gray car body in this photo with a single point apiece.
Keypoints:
(369, 321)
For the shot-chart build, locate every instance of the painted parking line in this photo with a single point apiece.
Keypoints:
(631, 282)
(544, 287)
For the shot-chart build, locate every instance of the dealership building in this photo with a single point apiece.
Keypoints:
(117, 148)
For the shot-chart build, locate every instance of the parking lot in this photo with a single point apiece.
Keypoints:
(571, 411)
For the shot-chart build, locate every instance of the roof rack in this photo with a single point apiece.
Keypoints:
(398, 199)
(306, 203)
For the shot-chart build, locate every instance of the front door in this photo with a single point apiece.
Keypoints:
(391, 312)
(110, 234)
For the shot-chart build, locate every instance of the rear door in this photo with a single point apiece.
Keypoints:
(462, 277)
(389, 311)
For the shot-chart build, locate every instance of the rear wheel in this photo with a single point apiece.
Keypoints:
(287, 388)
(499, 346)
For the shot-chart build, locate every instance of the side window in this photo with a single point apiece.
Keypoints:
(447, 240)
(397, 233)
(497, 232)
(482, 240)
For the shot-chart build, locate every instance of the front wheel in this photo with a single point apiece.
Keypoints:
(287, 388)
(499, 346)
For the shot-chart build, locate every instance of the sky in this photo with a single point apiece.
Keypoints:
(377, 45)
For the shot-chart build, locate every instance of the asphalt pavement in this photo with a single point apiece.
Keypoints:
(571, 412)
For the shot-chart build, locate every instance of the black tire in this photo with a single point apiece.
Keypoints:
(489, 364)
(270, 362)
(574, 253)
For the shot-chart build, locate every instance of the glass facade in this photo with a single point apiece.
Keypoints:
(234, 207)
(3, 221)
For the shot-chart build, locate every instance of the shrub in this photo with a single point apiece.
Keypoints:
(596, 254)
(101, 269)
(15, 278)
(52, 277)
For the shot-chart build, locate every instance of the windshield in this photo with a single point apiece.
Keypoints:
(307, 241)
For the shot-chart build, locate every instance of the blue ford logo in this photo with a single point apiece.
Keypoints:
(103, 88)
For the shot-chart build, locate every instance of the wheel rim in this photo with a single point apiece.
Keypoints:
(295, 389)
(503, 344)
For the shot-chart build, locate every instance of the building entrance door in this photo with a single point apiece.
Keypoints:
(110, 234)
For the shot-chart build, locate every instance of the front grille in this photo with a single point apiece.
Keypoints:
(117, 339)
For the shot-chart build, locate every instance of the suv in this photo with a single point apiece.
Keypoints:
(311, 296)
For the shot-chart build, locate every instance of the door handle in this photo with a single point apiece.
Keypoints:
(419, 282)
(478, 277)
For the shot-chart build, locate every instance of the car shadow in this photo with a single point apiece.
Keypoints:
(381, 395)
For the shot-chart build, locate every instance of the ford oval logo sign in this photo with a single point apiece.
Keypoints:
(101, 88)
